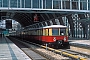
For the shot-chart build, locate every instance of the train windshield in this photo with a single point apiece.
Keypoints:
(59, 31)
(62, 31)
(55, 31)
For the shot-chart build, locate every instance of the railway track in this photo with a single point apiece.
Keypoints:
(85, 52)
(49, 55)
(72, 55)
(80, 45)
(82, 54)
(76, 53)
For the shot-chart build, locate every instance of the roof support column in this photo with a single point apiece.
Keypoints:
(79, 4)
(17, 3)
(51, 23)
(70, 4)
(52, 4)
(20, 3)
(42, 24)
(61, 21)
(87, 4)
(70, 20)
(61, 5)
(24, 3)
(45, 3)
(8, 4)
(89, 32)
(31, 4)
(46, 23)
(2, 3)
(42, 4)
(36, 25)
(54, 23)
(57, 21)
(82, 16)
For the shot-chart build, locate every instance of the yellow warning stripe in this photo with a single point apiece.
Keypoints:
(65, 53)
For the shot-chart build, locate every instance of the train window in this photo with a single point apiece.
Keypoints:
(39, 32)
(46, 33)
(62, 31)
(43, 32)
(67, 31)
(55, 31)
(50, 32)
(29, 32)
(34, 32)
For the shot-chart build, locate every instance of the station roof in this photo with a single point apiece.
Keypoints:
(23, 11)
(27, 18)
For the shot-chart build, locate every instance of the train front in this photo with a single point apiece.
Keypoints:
(58, 37)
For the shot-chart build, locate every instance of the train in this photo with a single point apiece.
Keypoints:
(55, 36)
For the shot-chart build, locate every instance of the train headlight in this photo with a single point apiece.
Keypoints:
(65, 39)
(54, 39)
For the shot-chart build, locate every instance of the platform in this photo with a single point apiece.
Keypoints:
(9, 51)
(81, 43)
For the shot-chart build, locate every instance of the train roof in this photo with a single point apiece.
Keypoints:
(51, 26)
(55, 26)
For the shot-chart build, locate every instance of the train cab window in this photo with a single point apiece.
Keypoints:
(55, 31)
(62, 31)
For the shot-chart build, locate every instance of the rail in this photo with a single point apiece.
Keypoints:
(61, 52)
(64, 53)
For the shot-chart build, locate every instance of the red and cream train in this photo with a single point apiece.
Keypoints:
(55, 36)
